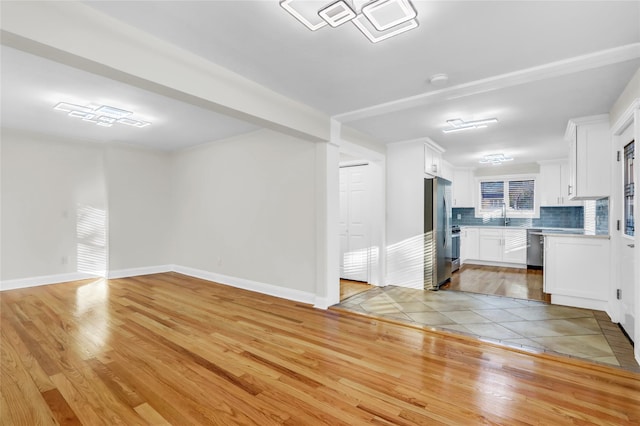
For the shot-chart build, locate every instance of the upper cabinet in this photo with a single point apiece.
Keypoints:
(554, 183)
(589, 150)
(463, 188)
(433, 159)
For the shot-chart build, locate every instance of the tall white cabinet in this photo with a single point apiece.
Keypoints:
(589, 157)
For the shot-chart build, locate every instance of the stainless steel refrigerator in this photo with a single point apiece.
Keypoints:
(437, 232)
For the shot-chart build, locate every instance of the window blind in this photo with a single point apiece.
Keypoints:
(521, 194)
(491, 194)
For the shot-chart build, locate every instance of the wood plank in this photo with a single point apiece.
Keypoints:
(170, 349)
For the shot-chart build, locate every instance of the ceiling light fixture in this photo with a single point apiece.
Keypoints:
(495, 159)
(103, 115)
(337, 14)
(378, 20)
(459, 124)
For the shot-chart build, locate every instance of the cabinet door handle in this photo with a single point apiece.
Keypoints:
(569, 190)
(631, 245)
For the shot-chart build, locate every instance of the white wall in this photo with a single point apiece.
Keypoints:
(626, 98)
(405, 214)
(53, 207)
(244, 208)
(139, 191)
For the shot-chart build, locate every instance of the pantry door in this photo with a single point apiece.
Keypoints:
(354, 224)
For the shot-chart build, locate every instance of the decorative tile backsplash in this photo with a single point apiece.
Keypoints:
(550, 217)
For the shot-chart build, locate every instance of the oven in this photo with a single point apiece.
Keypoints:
(455, 248)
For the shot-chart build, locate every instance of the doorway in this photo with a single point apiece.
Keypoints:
(361, 221)
(625, 179)
(354, 224)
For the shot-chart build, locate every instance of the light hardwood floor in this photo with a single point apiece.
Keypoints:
(350, 288)
(169, 349)
(499, 281)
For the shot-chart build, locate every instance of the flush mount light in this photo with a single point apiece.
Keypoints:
(337, 14)
(458, 124)
(385, 14)
(495, 159)
(378, 20)
(103, 115)
(374, 36)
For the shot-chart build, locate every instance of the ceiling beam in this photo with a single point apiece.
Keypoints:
(79, 36)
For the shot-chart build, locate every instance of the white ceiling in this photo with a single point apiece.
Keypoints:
(337, 70)
(32, 85)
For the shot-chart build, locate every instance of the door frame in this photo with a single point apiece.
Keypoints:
(631, 117)
(376, 198)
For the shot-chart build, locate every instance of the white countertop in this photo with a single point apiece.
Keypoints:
(546, 231)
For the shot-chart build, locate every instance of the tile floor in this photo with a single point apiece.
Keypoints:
(526, 324)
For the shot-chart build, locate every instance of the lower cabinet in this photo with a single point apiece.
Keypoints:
(515, 246)
(469, 244)
(576, 271)
(493, 245)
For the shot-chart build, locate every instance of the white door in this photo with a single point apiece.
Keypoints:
(354, 224)
(626, 181)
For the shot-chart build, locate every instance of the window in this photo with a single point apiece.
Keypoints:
(521, 194)
(629, 155)
(491, 195)
(518, 195)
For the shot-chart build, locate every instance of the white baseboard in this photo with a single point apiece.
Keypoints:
(44, 280)
(579, 302)
(134, 272)
(322, 303)
(497, 264)
(258, 287)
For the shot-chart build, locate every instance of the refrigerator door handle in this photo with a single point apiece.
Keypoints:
(446, 219)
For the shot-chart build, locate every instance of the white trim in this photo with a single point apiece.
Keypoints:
(491, 263)
(134, 272)
(431, 144)
(569, 133)
(550, 70)
(516, 214)
(44, 280)
(258, 287)
(579, 302)
(245, 284)
(322, 303)
(626, 119)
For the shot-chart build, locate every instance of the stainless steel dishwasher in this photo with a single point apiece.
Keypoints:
(535, 249)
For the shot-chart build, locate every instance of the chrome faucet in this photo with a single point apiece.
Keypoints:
(505, 219)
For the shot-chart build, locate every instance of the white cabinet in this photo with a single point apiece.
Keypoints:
(432, 159)
(515, 246)
(469, 244)
(589, 157)
(446, 170)
(576, 271)
(494, 245)
(554, 184)
(463, 188)
(491, 245)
